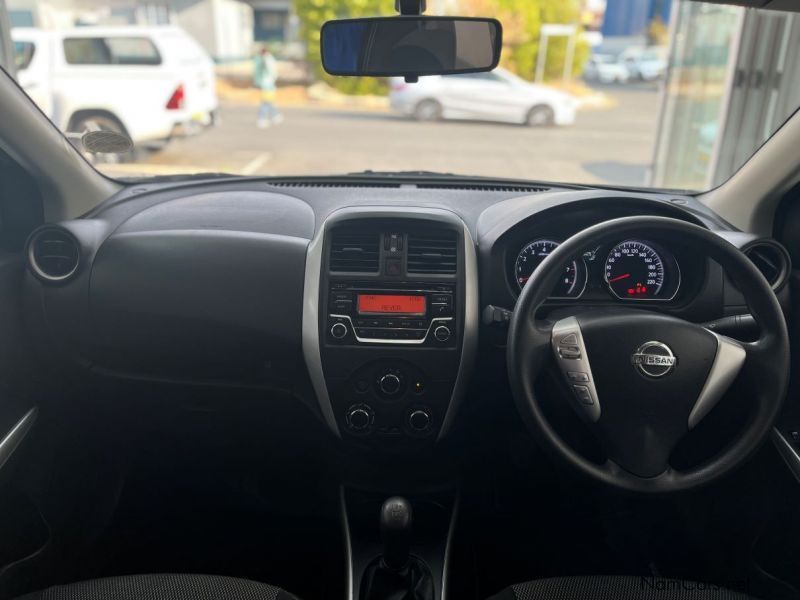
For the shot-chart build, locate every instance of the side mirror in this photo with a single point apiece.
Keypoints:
(410, 46)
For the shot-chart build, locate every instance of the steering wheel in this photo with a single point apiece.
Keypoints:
(642, 380)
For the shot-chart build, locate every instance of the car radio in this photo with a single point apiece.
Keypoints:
(404, 313)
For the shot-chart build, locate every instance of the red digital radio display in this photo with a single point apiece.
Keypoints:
(381, 304)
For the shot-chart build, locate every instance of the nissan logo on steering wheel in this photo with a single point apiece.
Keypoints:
(654, 359)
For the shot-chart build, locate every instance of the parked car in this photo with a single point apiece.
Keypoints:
(645, 64)
(150, 83)
(495, 96)
(606, 68)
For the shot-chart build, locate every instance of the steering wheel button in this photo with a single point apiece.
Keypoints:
(577, 376)
(569, 340)
(583, 394)
(571, 352)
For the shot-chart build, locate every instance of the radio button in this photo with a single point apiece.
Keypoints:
(442, 333)
(339, 331)
(441, 310)
(442, 299)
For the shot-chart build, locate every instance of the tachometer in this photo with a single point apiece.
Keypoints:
(634, 271)
(532, 255)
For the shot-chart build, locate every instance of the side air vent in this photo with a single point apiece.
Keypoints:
(53, 254)
(434, 252)
(354, 251)
(771, 259)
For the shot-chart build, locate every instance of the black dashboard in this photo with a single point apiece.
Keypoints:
(362, 299)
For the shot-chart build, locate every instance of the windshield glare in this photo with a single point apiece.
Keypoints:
(677, 96)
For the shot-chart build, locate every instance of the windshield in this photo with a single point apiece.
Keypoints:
(676, 95)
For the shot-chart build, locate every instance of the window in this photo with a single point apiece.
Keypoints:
(107, 51)
(86, 51)
(23, 54)
(133, 51)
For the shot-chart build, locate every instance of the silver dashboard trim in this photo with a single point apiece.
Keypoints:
(448, 545)
(726, 366)
(348, 543)
(311, 295)
(310, 329)
(14, 437)
(387, 341)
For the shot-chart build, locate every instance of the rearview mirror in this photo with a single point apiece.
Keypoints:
(410, 46)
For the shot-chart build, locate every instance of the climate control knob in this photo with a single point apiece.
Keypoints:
(389, 384)
(442, 333)
(419, 420)
(338, 331)
(359, 417)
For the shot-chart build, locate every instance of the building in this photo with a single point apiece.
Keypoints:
(630, 18)
(731, 83)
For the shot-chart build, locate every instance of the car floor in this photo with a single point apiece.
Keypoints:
(232, 489)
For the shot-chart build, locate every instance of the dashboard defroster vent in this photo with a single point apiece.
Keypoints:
(53, 254)
(433, 252)
(354, 251)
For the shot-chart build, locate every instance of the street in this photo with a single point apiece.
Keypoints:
(608, 145)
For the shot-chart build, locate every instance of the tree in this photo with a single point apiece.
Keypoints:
(522, 21)
(314, 13)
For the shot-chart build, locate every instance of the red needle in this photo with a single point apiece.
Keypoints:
(618, 277)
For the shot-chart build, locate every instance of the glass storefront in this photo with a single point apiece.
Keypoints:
(727, 91)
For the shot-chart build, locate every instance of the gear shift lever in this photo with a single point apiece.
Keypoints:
(396, 518)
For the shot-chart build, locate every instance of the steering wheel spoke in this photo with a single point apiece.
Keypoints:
(728, 361)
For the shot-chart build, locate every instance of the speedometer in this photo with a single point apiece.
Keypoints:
(634, 271)
(532, 255)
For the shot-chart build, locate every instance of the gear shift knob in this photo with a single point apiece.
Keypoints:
(396, 518)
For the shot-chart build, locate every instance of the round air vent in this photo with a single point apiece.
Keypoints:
(771, 259)
(53, 254)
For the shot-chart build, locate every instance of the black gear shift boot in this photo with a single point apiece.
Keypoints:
(412, 582)
(396, 574)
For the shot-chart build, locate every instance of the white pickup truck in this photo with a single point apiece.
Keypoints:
(150, 83)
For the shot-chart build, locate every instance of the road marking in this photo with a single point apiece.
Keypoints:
(255, 164)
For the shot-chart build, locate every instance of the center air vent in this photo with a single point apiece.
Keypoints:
(53, 254)
(771, 259)
(355, 251)
(433, 252)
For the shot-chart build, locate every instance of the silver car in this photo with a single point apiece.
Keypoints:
(495, 96)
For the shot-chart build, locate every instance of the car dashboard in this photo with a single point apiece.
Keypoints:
(373, 302)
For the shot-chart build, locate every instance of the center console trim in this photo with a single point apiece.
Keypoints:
(311, 299)
(390, 341)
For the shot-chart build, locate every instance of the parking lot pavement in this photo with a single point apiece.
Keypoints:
(613, 145)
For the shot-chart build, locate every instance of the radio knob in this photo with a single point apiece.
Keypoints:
(338, 331)
(389, 384)
(442, 333)
(360, 417)
(419, 420)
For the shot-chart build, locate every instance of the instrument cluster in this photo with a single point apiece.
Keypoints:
(631, 270)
